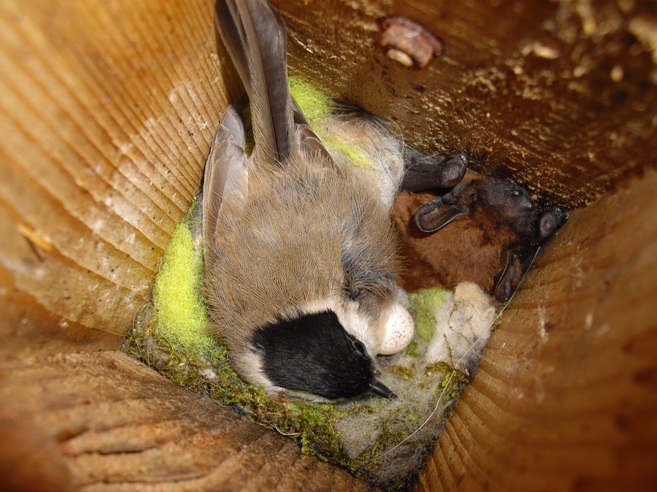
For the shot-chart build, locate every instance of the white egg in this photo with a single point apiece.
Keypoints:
(399, 330)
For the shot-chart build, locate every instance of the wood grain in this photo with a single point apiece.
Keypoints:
(107, 111)
(566, 394)
(104, 422)
(559, 95)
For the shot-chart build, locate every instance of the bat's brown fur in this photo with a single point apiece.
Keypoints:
(472, 248)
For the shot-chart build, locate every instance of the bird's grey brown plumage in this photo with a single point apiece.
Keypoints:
(300, 252)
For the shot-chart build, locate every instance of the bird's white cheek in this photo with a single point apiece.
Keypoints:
(398, 330)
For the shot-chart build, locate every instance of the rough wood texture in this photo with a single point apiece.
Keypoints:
(104, 422)
(566, 394)
(107, 111)
(560, 95)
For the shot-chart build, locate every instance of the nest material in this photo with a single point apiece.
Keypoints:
(382, 441)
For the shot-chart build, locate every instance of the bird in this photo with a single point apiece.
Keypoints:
(301, 257)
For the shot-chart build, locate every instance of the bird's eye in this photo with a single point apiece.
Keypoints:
(360, 348)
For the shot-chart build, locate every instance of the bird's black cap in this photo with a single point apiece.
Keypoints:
(314, 353)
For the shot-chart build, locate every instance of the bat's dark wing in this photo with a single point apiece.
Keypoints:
(436, 214)
(427, 173)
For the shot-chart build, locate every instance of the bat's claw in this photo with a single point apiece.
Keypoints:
(424, 173)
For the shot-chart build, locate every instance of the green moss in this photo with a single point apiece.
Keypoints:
(423, 306)
(177, 298)
(356, 155)
(403, 372)
(453, 382)
(412, 349)
(313, 102)
(316, 106)
(311, 425)
(372, 457)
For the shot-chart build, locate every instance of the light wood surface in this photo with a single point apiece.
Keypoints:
(104, 422)
(566, 394)
(107, 113)
(107, 110)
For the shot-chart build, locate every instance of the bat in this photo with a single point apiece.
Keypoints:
(484, 230)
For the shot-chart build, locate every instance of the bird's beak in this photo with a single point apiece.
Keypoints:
(380, 389)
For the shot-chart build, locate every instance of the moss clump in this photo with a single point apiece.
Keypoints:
(314, 103)
(177, 296)
(404, 372)
(423, 307)
(317, 106)
(453, 382)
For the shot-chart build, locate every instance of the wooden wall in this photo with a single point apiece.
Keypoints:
(558, 94)
(107, 111)
(566, 394)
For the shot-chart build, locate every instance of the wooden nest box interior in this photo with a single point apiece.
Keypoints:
(107, 111)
